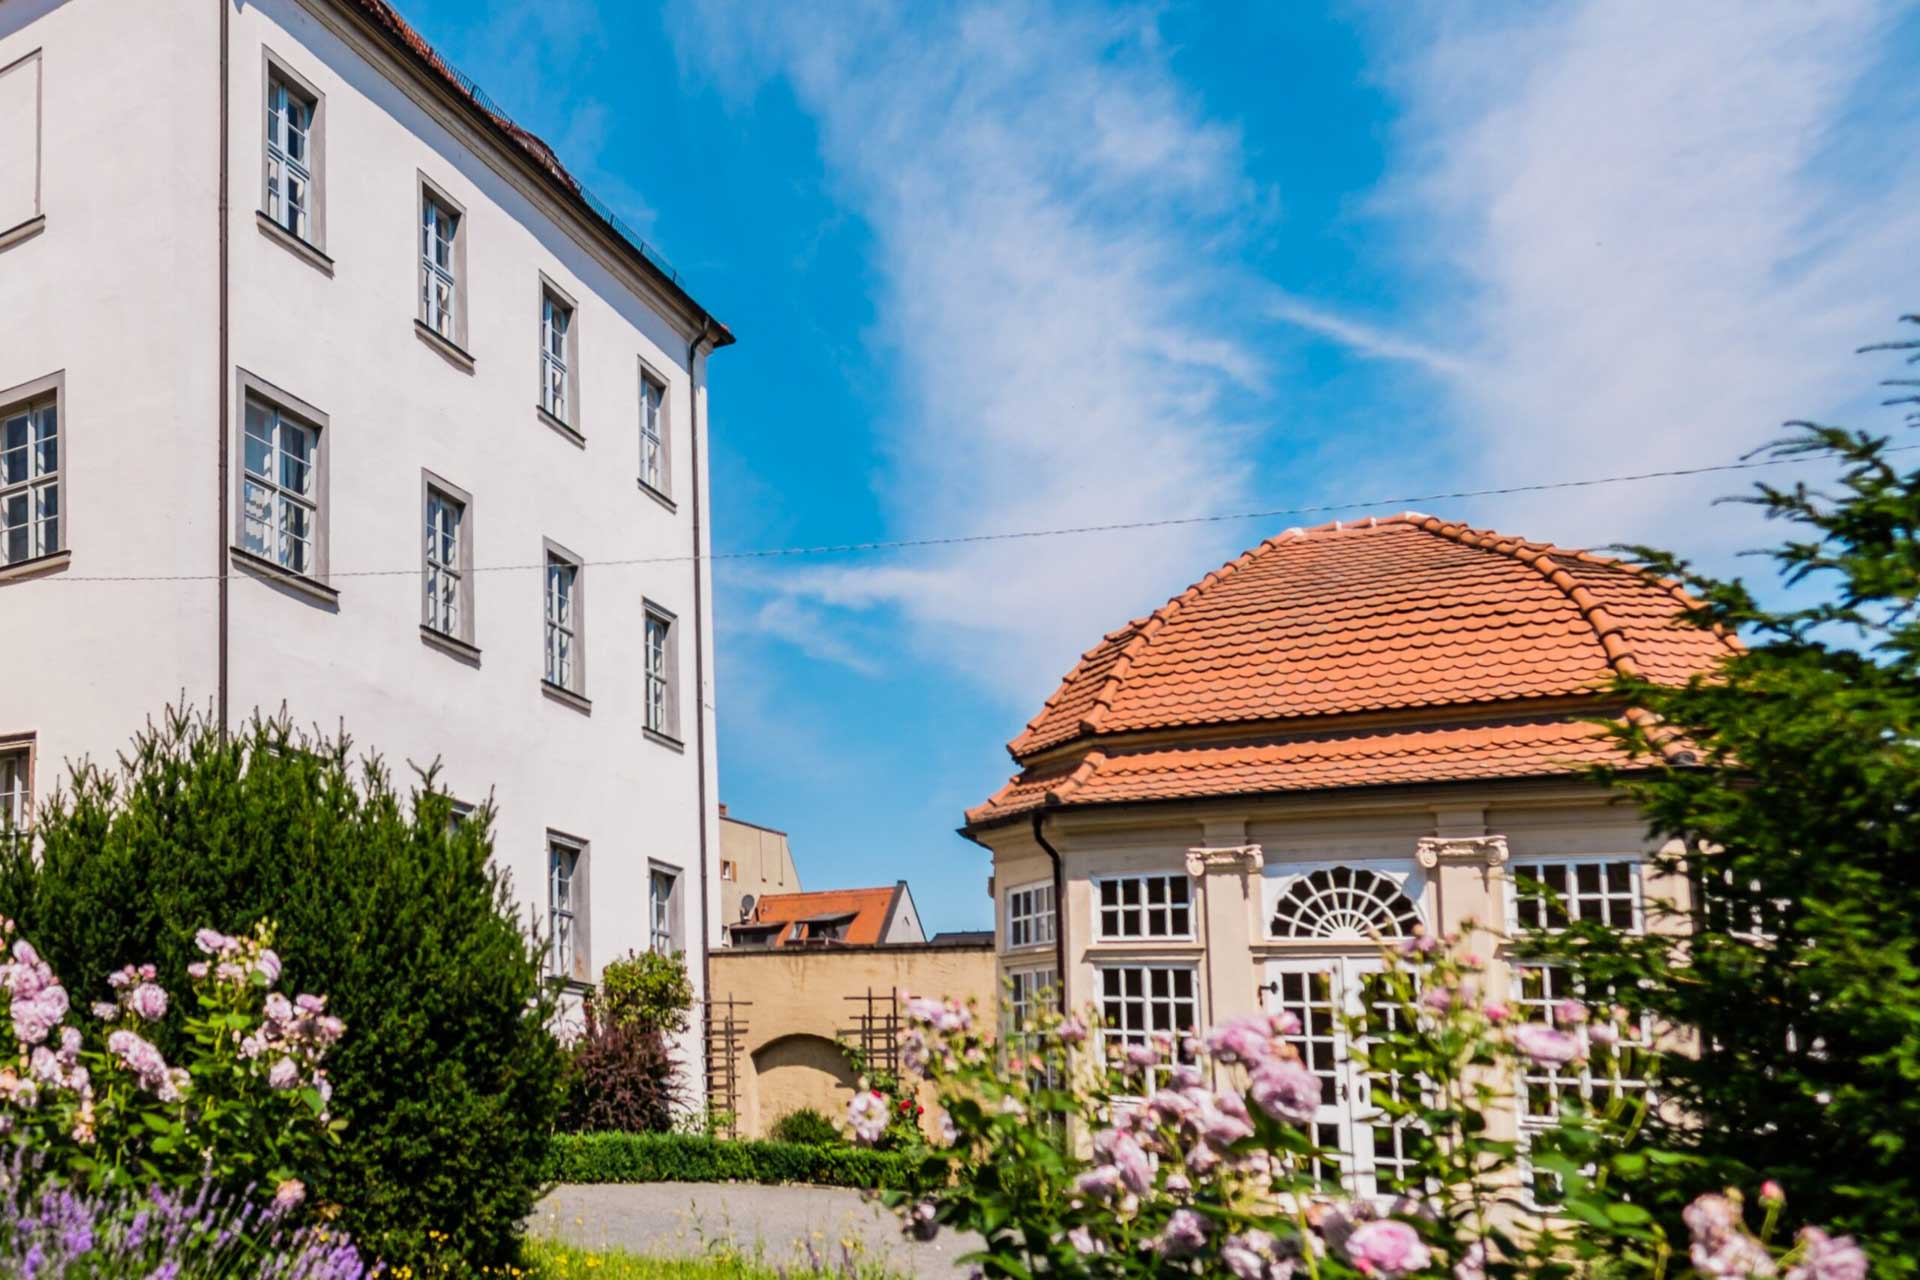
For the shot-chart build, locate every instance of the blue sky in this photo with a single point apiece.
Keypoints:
(1002, 266)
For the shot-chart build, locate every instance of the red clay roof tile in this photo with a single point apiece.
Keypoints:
(868, 907)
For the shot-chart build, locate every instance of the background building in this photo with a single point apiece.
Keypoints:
(754, 862)
(1342, 735)
(881, 916)
(324, 387)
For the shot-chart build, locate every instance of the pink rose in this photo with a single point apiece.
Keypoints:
(1546, 1046)
(1387, 1247)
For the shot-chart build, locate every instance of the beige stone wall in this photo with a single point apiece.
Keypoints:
(798, 1008)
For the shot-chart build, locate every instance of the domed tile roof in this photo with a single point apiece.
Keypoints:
(1410, 618)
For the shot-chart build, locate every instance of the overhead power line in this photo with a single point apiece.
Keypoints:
(1064, 531)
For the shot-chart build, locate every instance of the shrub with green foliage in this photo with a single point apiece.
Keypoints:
(647, 991)
(449, 1079)
(805, 1126)
(680, 1157)
(1786, 787)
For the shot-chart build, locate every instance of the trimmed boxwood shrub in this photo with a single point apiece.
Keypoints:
(679, 1157)
(448, 1077)
(805, 1125)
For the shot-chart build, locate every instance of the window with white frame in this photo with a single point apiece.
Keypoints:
(1030, 919)
(660, 911)
(16, 790)
(30, 478)
(1145, 906)
(564, 904)
(440, 262)
(280, 488)
(563, 612)
(653, 432)
(1607, 1074)
(1141, 1002)
(447, 564)
(1604, 891)
(1031, 992)
(291, 168)
(556, 356)
(662, 710)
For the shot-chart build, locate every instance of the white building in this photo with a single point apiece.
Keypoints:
(321, 384)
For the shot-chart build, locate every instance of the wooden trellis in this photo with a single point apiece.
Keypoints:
(876, 1030)
(726, 1034)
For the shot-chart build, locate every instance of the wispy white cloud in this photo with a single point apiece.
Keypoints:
(1047, 203)
(1371, 341)
(1657, 230)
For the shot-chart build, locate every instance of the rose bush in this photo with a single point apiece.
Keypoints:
(91, 1099)
(1195, 1155)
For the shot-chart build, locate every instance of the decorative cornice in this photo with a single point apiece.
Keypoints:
(1240, 858)
(1433, 850)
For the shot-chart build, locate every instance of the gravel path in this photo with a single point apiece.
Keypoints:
(777, 1223)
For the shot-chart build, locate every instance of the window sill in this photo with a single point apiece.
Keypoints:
(656, 495)
(453, 646)
(38, 566)
(315, 591)
(23, 231)
(569, 986)
(301, 249)
(455, 354)
(567, 697)
(571, 435)
(666, 740)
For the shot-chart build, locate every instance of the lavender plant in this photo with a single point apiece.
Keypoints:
(96, 1103)
(1196, 1156)
(54, 1231)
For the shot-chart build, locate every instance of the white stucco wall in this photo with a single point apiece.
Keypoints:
(122, 290)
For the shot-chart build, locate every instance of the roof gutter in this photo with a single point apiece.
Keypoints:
(1059, 909)
(221, 563)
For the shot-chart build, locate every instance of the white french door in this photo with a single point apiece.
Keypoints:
(1368, 1151)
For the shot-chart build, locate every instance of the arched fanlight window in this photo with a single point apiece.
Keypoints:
(1344, 902)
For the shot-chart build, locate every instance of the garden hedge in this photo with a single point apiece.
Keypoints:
(678, 1157)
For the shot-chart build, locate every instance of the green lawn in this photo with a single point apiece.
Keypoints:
(550, 1261)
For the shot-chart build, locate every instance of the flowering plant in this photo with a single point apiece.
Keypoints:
(1199, 1155)
(94, 1099)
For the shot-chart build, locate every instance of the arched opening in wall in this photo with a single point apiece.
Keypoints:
(799, 1071)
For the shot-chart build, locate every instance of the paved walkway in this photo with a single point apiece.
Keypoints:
(779, 1224)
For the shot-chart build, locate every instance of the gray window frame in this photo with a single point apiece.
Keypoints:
(250, 387)
(273, 68)
(569, 420)
(38, 394)
(463, 634)
(36, 219)
(663, 489)
(573, 690)
(674, 934)
(20, 823)
(668, 727)
(454, 344)
(578, 911)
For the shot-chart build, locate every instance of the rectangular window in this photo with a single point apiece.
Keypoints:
(1032, 993)
(558, 375)
(16, 790)
(1030, 915)
(653, 432)
(565, 901)
(290, 162)
(30, 474)
(280, 489)
(727, 871)
(1145, 906)
(446, 561)
(662, 706)
(660, 911)
(1140, 1002)
(565, 668)
(1604, 891)
(1604, 1074)
(443, 255)
(20, 90)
